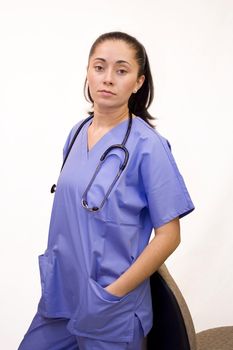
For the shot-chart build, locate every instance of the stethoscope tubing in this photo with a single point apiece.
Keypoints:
(122, 167)
(102, 158)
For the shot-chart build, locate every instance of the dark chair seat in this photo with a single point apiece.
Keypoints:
(173, 327)
(169, 331)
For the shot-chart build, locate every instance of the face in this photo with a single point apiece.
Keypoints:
(112, 74)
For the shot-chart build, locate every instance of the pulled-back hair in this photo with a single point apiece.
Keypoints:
(140, 101)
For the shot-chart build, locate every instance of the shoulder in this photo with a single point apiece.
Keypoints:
(148, 137)
(75, 127)
(71, 135)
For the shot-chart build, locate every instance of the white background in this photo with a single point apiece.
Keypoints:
(44, 47)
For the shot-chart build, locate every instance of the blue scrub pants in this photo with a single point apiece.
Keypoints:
(52, 334)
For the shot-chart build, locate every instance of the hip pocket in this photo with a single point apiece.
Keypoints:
(54, 300)
(104, 294)
(105, 316)
(45, 268)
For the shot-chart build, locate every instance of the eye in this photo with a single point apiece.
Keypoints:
(122, 71)
(98, 68)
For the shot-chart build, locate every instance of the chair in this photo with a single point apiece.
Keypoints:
(173, 327)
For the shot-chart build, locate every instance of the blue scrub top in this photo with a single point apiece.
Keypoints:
(89, 250)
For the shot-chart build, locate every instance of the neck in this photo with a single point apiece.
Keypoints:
(109, 118)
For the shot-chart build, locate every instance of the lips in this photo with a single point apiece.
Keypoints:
(107, 92)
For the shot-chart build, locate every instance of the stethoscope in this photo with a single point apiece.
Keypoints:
(101, 161)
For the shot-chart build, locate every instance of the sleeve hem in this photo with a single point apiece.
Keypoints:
(179, 214)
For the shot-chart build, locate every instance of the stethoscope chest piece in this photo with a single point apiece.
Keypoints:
(53, 188)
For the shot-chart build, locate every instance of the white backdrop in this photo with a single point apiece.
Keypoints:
(44, 47)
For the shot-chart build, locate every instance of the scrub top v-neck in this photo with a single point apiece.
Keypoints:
(89, 250)
(101, 143)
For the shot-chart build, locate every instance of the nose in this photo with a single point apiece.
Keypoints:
(108, 77)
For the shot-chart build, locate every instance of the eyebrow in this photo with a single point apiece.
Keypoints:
(118, 62)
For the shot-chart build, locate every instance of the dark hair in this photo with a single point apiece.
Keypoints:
(140, 101)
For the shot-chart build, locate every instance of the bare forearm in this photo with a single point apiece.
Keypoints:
(166, 240)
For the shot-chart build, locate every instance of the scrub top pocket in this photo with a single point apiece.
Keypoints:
(105, 316)
(104, 293)
(53, 302)
(46, 268)
(43, 268)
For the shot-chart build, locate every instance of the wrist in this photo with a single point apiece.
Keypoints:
(111, 288)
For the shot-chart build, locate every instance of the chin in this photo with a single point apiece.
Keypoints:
(106, 105)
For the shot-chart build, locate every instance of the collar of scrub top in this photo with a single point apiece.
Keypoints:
(101, 161)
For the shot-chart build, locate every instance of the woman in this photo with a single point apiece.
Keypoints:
(96, 268)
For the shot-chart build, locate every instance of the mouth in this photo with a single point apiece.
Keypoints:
(106, 92)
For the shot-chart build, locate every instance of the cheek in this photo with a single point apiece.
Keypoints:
(91, 77)
(92, 83)
(128, 87)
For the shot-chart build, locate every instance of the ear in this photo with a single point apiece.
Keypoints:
(139, 83)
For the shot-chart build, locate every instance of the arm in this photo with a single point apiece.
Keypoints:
(165, 241)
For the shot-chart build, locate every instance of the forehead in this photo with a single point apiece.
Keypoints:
(114, 50)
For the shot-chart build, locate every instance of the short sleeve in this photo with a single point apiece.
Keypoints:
(166, 192)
